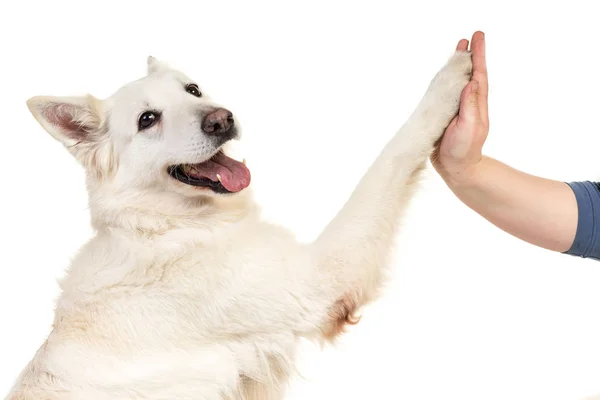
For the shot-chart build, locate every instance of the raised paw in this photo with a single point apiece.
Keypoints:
(443, 95)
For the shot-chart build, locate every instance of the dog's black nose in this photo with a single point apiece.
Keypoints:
(218, 122)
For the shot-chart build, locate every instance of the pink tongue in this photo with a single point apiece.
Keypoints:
(234, 174)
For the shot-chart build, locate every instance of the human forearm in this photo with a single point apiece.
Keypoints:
(540, 211)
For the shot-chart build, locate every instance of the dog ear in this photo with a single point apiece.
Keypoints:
(155, 65)
(70, 120)
(79, 124)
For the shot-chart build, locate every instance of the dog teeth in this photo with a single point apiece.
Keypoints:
(244, 161)
(219, 177)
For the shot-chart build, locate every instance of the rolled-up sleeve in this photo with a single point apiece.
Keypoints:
(587, 237)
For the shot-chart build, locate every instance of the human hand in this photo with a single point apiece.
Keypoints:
(459, 151)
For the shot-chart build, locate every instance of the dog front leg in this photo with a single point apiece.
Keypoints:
(353, 249)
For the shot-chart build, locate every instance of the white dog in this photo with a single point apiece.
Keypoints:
(184, 292)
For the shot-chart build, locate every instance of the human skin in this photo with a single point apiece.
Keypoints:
(540, 211)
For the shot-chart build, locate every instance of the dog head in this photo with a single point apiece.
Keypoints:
(161, 132)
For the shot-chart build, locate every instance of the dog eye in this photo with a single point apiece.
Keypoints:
(193, 90)
(147, 119)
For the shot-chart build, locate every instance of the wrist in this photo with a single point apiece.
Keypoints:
(466, 177)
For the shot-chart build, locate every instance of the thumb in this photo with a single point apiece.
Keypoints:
(469, 108)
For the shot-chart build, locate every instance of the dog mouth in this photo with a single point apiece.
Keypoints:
(220, 173)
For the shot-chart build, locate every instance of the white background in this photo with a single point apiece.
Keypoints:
(471, 313)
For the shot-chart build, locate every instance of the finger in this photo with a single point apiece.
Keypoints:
(462, 45)
(468, 112)
(478, 53)
(480, 72)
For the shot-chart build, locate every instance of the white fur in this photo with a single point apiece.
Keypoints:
(184, 294)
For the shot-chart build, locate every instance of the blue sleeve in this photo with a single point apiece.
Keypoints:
(587, 237)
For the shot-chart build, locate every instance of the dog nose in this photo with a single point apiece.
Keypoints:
(218, 122)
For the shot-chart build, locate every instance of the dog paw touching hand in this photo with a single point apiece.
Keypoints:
(443, 96)
(453, 77)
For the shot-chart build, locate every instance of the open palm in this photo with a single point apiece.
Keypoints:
(460, 147)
